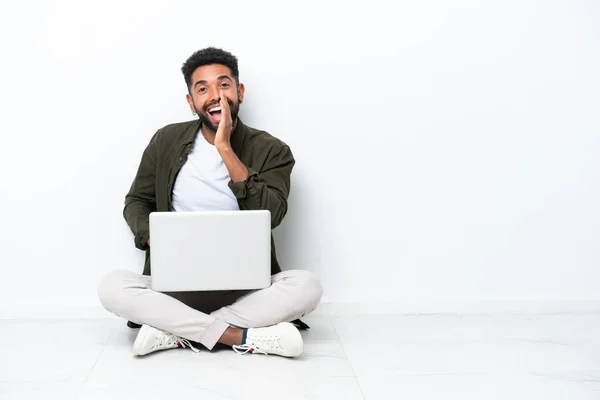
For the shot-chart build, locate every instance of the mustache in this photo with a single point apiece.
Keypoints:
(216, 103)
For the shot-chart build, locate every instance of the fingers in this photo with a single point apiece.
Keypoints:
(224, 103)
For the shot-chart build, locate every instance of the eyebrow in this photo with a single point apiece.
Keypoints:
(203, 82)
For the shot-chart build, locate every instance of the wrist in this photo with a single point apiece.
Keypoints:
(223, 147)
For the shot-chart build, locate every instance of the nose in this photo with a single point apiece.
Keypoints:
(213, 95)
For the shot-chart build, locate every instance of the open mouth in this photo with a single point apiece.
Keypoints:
(215, 113)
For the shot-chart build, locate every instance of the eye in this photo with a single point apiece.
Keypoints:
(202, 90)
(224, 85)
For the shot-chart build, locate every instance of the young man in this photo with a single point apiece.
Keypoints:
(214, 163)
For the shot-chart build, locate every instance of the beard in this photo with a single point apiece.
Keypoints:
(205, 119)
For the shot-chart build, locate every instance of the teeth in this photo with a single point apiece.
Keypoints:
(215, 109)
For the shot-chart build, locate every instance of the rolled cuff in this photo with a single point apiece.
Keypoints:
(141, 240)
(240, 189)
(213, 333)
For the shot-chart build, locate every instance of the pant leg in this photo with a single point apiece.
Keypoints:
(292, 294)
(128, 295)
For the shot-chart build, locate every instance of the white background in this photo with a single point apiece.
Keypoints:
(447, 151)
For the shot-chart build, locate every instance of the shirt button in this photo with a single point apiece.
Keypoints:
(180, 159)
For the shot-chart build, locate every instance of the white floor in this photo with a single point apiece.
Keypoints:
(346, 357)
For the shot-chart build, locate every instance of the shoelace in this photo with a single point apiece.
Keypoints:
(257, 346)
(169, 340)
(245, 348)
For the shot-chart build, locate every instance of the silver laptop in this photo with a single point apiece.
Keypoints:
(210, 250)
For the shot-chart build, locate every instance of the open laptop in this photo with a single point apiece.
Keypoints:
(210, 250)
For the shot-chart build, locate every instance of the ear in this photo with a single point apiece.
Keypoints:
(191, 103)
(241, 90)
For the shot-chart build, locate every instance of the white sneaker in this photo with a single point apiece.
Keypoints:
(150, 339)
(282, 339)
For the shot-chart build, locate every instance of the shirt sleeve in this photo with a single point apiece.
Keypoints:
(269, 188)
(140, 201)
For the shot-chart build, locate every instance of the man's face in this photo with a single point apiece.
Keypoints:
(209, 82)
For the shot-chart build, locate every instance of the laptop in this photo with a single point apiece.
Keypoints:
(210, 250)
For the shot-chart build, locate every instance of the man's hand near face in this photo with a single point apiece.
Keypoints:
(225, 128)
(237, 170)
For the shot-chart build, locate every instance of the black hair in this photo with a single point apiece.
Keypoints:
(208, 56)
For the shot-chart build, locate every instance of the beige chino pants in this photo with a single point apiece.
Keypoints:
(204, 316)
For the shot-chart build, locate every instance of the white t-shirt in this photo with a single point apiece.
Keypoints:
(202, 182)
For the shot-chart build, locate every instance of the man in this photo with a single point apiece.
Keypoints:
(213, 163)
